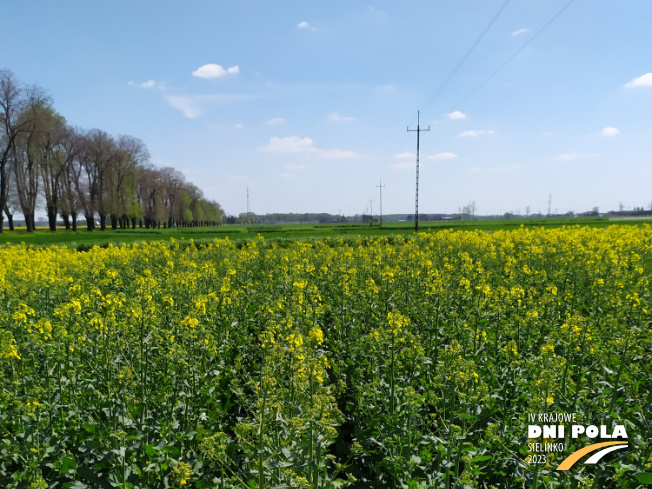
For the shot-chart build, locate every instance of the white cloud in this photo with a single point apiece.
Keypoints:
(287, 174)
(189, 107)
(575, 155)
(148, 84)
(405, 156)
(520, 31)
(641, 81)
(456, 116)
(214, 71)
(390, 87)
(475, 169)
(297, 145)
(442, 156)
(475, 134)
(404, 161)
(192, 106)
(609, 132)
(336, 117)
(306, 26)
(238, 126)
(275, 120)
(292, 144)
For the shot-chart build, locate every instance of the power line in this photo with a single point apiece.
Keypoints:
(461, 62)
(466, 55)
(515, 54)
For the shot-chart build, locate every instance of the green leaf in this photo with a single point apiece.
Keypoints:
(68, 465)
(644, 478)
(77, 485)
(481, 458)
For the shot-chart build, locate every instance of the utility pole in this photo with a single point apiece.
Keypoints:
(248, 216)
(549, 202)
(381, 201)
(416, 199)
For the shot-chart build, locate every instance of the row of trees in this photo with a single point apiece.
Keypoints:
(88, 173)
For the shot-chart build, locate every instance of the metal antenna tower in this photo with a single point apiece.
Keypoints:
(416, 199)
(549, 202)
(381, 201)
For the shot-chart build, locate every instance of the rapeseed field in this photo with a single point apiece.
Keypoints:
(388, 362)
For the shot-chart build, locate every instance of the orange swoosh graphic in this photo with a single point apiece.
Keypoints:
(575, 456)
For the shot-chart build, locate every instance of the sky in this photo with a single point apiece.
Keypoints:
(307, 103)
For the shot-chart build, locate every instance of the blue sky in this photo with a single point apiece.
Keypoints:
(307, 103)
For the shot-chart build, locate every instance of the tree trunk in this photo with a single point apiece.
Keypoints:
(10, 218)
(52, 218)
(66, 221)
(133, 223)
(90, 223)
(114, 222)
(29, 222)
(74, 222)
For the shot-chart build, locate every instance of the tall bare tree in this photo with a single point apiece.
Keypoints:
(103, 156)
(12, 101)
(52, 162)
(73, 145)
(26, 154)
(83, 177)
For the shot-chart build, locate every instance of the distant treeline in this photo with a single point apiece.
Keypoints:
(326, 218)
(77, 172)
